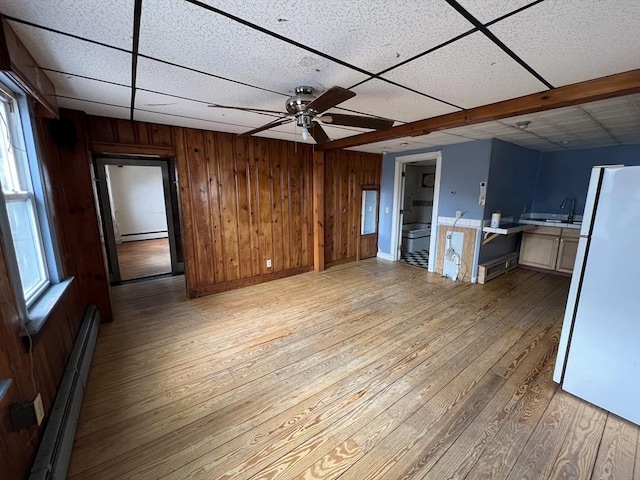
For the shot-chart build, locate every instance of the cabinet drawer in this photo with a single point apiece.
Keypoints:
(540, 230)
(571, 233)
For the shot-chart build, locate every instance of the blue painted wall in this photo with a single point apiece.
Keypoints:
(566, 174)
(512, 174)
(518, 179)
(511, 187)
(464, 166)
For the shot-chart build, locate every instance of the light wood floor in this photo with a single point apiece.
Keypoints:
(144, 258)
(370, 370)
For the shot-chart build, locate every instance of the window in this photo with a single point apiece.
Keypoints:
(20, 202)
(28, 243)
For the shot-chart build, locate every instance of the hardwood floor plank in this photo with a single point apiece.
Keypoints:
(144, 258)
(406, 362)
(519, 368)
(579, 451)
(543, 447)
(467, 389)
(294, 369)
(636, 468)
(617, 450)
(367, 370)
(284, 354)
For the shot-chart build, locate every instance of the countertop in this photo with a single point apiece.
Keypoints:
(551, 223)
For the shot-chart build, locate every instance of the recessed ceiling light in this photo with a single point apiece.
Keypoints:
(404, 144)
(565, 142)
(523, 125)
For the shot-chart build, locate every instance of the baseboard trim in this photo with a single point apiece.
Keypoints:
(245, 282)
(54, 453)
(385, 256)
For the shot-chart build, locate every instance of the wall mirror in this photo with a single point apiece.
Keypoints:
(369, 212)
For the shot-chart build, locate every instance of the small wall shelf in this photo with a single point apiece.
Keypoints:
(491, 233)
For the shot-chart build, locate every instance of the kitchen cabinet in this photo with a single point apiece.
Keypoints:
(566, 254)
(551, 248)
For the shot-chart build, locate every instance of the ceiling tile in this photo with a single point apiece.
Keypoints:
(197, 38)
(85, 89)
(359, 33)
(394, 102)
(164, 119)
(163, 78)
(59, 52)
(109, 22)
(222, 120)
(569, 41)
(470, 72)
(95, 108)
(487, 10)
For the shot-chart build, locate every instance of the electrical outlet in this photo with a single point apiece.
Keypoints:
(458, 213)
(269, 263)
(26, 414)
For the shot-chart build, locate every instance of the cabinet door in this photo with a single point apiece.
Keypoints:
(567, 254)
(539, 250)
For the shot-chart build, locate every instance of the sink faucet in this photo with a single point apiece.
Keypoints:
(571, 207)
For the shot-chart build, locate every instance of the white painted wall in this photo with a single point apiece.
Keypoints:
(137, 201)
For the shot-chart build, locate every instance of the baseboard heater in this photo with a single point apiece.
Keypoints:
(53, 456)
(496, 267)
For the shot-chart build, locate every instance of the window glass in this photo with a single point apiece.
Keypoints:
(20, 201)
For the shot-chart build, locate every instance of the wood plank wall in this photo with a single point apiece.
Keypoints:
(68, 184)
(247, 200)
(346, 173)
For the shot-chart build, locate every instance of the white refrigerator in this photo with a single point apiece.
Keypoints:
(599, 351)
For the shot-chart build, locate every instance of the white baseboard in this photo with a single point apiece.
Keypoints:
(385, 256)
(143, 236)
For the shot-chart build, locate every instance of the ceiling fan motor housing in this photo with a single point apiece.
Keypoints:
(298, 103)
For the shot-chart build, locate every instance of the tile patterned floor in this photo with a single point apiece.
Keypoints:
(418, 259)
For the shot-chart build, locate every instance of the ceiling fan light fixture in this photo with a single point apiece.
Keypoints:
(305, 134)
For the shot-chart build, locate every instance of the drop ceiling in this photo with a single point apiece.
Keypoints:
(405, 60)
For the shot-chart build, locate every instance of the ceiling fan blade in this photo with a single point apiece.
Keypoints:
(275, 123)
(318, 133)
(330, 98)
(373, 123)
(245, 109)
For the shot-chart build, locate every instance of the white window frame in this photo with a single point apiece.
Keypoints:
(35, 305)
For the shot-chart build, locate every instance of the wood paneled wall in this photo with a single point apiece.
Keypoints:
(68, 183)
(345, 174)
(245, 200)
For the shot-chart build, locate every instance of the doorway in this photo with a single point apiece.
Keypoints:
(415, 212)
(137, 199)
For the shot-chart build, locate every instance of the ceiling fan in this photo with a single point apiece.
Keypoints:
(307, 111)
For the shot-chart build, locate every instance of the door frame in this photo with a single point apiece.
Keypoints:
(398, 193)
(106, 213)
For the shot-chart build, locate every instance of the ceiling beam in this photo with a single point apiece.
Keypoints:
(598, 89)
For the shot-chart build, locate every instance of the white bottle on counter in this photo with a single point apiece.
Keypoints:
(495, 219)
